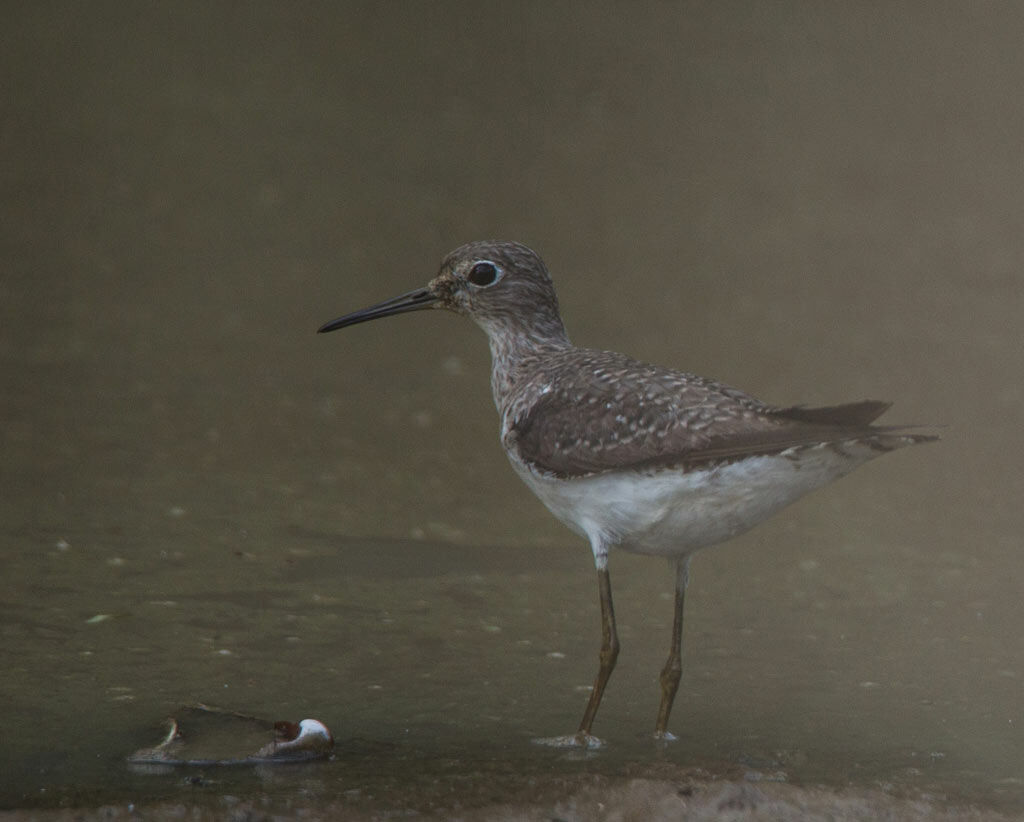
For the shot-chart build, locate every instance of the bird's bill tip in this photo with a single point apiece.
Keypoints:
(415, 300)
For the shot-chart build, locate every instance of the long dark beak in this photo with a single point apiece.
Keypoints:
(412, 301)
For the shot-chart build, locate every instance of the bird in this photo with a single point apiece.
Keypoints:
(629, 455)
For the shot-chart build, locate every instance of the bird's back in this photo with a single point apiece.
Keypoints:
(575, 412)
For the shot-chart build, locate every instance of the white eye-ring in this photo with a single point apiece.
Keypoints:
(483, 273)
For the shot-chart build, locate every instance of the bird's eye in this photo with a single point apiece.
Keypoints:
(483, 274)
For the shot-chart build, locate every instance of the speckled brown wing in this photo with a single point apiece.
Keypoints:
(607, 411)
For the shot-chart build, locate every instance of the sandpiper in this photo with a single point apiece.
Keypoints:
(631, 455)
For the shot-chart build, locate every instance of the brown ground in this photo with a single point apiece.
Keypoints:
(689, 796)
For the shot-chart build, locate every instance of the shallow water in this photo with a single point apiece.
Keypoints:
(200, 500)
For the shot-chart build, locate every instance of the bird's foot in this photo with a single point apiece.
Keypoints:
(580, 741)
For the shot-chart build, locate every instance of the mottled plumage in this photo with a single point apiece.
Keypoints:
(607, 412)
(632, 455)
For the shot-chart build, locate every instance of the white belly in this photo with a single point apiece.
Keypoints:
(672, 513)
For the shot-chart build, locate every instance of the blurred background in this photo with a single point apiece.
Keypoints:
(201, 500)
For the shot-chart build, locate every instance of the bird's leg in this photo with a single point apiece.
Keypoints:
(673, 669)
(609, 653)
